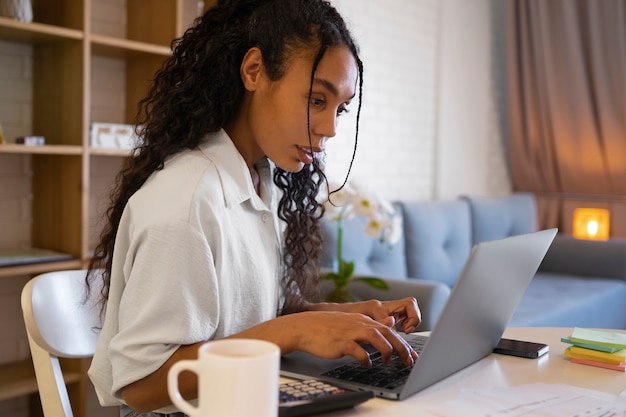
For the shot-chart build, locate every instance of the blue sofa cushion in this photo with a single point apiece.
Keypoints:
(499, 217)
(371, 257)
(561, 300)
(438, 239)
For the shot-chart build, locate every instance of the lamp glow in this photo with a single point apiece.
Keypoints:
(591, 223)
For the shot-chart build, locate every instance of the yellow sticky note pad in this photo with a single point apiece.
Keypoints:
(595, 355)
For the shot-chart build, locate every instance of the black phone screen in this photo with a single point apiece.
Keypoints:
(521, 348)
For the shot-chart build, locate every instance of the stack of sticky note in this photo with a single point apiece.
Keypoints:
(604, 349)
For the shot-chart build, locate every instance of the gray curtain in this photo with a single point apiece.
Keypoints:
(566, 106)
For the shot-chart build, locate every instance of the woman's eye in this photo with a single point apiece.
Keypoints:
(342, 110)
(317, 102)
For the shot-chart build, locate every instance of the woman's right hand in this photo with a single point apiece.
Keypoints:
(333, 334)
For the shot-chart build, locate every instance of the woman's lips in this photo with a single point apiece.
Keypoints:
(305, 155)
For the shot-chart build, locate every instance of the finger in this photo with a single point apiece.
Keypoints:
(410, 357)
(388, 321)
(360, 354)
(412, 316)
(392, 342)
(383, 345)
(404, 350)
(410, 324)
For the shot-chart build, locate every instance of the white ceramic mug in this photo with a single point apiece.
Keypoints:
(236, 378)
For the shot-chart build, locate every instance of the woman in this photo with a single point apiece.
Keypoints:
(206, 237)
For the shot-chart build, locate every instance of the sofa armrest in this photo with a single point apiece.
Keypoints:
(431, 296)
(567, 255)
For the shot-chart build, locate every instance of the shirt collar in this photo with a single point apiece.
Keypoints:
(233, 172)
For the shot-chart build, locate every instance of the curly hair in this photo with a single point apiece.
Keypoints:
(198, 90)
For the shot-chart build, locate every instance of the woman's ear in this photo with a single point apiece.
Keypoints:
(251, 68)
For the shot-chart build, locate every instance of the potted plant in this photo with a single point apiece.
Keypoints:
(382, 223)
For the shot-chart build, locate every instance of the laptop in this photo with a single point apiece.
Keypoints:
(481, 303)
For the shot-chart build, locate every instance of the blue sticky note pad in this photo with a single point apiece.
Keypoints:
(601, 348)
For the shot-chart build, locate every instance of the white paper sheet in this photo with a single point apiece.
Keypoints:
(537, 400)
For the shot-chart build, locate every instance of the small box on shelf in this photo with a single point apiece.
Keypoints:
(30, 140)
(113, 136)
(20, 10)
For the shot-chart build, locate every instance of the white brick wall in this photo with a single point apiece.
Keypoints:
(15, 89)
(13, 343)
(108, 86)
(15, 201)
(109, 17)
(395, 153)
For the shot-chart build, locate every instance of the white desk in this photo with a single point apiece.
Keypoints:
(502, 371)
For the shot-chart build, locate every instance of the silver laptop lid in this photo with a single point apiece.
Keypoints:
(483, 300)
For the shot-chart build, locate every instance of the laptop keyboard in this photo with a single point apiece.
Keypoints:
(380, 375)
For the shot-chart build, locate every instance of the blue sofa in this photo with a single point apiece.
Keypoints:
(579, 283)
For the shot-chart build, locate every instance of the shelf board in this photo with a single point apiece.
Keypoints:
(34, 32)
(109, 152)
(125, 48)
(42, 150)
(39, 268)
(18, 378)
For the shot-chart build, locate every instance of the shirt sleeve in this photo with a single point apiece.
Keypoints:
(170, 299)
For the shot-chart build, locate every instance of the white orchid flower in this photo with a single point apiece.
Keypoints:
(364, 206)
(387, 207)
(357, 200)
(393, 234)
(374, 229)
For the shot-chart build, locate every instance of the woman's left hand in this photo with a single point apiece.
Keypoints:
(404, 312)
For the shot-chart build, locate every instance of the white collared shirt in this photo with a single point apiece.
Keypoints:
(197, 257)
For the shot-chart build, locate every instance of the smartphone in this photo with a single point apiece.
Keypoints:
(521, 348)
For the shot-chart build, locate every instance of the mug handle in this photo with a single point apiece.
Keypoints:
(172, 386)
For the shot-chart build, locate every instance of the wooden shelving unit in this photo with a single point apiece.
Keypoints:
(66, 169)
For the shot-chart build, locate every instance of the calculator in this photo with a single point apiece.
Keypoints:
(311, 396)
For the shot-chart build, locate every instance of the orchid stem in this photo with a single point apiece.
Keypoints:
(339, 242)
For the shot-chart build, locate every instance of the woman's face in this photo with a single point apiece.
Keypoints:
(278, 110)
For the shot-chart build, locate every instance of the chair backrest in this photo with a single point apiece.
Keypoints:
(60, 323)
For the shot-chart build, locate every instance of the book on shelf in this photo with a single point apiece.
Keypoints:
(13, 257)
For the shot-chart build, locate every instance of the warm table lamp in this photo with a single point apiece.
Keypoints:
(591, 223)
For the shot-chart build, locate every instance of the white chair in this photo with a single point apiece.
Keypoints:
(60, 323)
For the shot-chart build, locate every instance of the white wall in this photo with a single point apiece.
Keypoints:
(398, 41)
(470, 158)
(429, 127)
